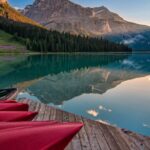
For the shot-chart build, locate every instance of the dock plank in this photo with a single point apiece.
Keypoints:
(101, 138)
(83, 136)
(53, 114)
(127, 138)
(119, 140)
(94, 135)
(37, 109)
(139, 141)
(40, 115)
(109, 138)
(76, 142)
(90, 130)
(65, 118)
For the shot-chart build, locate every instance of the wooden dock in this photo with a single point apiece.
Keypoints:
(94, 135)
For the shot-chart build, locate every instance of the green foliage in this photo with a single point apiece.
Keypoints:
(8, 39)
(42, 40)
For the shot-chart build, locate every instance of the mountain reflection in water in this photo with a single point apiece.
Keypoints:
(18, 69)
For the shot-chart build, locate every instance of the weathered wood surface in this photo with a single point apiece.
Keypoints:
(94, 135)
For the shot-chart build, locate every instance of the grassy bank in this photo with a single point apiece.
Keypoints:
(8, 44)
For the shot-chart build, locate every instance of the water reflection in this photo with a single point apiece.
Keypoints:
(113, 88)
(16, 69)
(126, 105)
(96, 78)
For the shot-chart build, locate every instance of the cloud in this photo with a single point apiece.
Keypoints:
(132, 40)
(93, 113)
(104, 108)
(17, 8)
(130, 64)
(109, 110)
(146, 125)
(129, 41)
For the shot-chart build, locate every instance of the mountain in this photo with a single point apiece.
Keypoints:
(66, 16)
(42, 40)
(10, 13)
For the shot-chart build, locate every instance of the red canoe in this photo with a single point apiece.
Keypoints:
(7, 116)
(14, 107)
(48, 137)
(12, 125)
(8, 93)
(8, 101)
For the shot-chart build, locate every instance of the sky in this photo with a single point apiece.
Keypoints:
(132, 10)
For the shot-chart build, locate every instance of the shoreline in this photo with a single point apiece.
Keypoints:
(72, 53)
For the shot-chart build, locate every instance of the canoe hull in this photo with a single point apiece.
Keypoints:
(6, 94)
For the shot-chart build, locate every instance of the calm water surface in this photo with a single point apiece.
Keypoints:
(113, 88)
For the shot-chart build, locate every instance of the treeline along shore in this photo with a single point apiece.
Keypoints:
(39, 39)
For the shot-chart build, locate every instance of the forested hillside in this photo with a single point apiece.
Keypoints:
(42, 40)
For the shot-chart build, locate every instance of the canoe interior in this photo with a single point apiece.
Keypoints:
(6, 94)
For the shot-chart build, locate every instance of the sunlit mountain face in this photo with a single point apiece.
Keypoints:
(9, 12)
(113, 88)
(67, 16)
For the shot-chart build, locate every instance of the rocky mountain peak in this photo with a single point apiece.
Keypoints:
(66, 16)
(50, 3)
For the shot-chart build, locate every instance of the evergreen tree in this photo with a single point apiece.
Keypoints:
(41, 40)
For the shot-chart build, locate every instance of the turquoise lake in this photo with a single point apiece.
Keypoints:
(114, 88)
